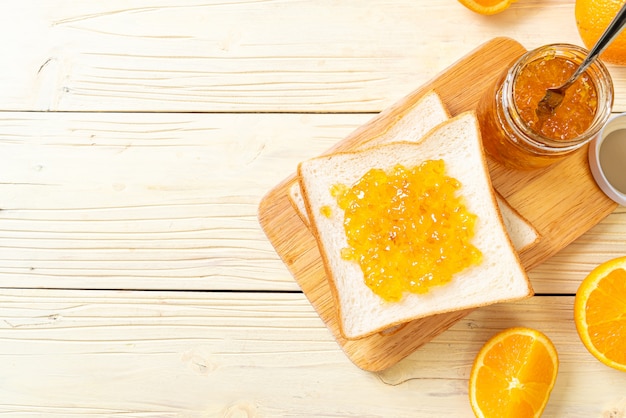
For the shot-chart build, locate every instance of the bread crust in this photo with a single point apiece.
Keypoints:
(522, 219)
(522, 286)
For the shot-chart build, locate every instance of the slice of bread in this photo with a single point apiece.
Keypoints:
(427, 113)
(499, 277)
(522, 233)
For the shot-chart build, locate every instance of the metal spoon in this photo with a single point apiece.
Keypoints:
(554, 95)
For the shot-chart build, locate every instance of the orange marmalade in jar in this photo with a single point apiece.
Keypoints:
(514, 135)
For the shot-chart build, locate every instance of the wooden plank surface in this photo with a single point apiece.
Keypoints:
(137, 139)
(146, 200)
(256, 55)
(128, 225)
(189, 354)
(561, 201)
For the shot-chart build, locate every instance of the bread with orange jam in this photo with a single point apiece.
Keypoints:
(498, 275)
(427, 113)
(522, 233)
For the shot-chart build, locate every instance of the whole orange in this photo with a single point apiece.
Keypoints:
(592, 17)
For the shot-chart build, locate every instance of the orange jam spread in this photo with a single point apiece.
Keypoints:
(407, 228)
(573, 116)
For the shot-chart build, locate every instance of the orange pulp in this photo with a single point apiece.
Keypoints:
(407, 229)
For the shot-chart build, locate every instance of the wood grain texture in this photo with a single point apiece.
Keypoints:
(190, 354)
(168, 201)
(137, 139)
(234, 56)
(145, 201)
(561, 201)
(563, 272)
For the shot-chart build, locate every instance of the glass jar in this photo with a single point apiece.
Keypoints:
(512, 138)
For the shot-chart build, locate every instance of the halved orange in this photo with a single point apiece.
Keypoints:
(513, 374)
(487, 7)
(600, 312)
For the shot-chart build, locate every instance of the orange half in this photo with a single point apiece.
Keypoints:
(513, 374)
(600, 313)
(487, 7)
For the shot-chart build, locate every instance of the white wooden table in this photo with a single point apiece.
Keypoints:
(136, 141)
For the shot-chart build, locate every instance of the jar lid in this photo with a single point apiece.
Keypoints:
(607, 158)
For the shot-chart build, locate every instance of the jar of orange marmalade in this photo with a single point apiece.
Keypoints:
(515, 135)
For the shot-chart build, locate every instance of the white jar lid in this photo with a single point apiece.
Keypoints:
(599, 156)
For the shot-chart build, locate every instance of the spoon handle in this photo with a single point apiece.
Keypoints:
(610, 33)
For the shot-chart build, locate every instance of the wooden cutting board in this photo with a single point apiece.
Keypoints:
(561, 201)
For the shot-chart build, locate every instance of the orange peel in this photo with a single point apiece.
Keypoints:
(487, 7)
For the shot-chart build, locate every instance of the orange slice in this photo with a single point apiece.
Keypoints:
(600, 312)
(513, 374)
(487, 7)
